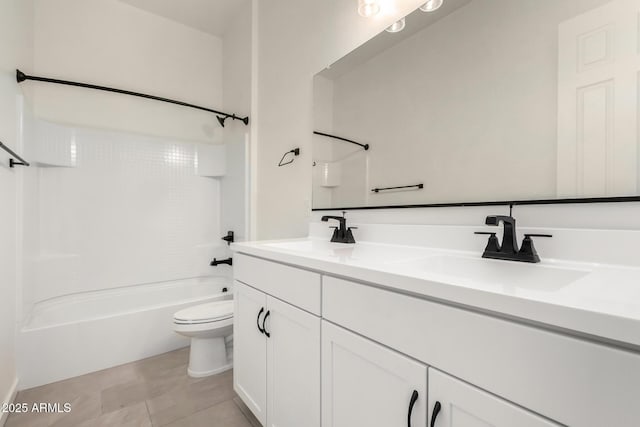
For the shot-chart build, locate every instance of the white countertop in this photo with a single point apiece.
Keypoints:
(594, 299)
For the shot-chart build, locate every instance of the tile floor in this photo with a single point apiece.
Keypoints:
(150, 392)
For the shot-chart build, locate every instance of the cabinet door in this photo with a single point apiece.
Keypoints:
(293, 366)
(366, 384)
(462, 405)
(250, 349)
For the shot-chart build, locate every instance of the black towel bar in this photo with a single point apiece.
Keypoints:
(417, 186)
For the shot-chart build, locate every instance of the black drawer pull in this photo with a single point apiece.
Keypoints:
(412, 402)
(258, 320)
(434, 414)
(264, 321)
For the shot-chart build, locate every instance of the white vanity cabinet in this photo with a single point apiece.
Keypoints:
(277, 346)
(388, 357)
(453, 403)
(250, 349)
(366, 384)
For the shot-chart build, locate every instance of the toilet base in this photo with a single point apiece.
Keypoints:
(199, 374)
(208, 356)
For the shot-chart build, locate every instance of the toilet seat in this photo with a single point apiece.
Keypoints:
(205, 313)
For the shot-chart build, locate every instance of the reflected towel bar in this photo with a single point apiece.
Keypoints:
(416, 186)
(12, 163)
(221, 116)
(365, 146)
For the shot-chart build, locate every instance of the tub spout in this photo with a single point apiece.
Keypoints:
(215, 262)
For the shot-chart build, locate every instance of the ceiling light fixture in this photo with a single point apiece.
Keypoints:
(397, 26)
(368, 8)
(431, 5)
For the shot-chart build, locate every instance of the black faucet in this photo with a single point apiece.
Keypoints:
(509, 250)
(341, 234)
(215, 262)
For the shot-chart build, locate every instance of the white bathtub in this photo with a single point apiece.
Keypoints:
(76, 334)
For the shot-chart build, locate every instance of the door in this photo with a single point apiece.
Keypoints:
(598, 71)
(250, 349)
(366, 384)
(462, 405)
(293, 366)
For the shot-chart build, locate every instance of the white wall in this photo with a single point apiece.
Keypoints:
(236, 83)
(16, 25)
(110, 43)
(295, 40)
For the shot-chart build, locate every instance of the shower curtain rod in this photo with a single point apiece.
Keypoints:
(221, 116)
(365, 146)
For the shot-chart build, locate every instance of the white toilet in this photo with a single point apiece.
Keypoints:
(210, 327)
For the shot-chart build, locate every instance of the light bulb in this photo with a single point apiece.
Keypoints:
(397, 26)
(368, 8)
(431, 5)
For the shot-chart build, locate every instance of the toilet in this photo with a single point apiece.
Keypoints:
(210, 327)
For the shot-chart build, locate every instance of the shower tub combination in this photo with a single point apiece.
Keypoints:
(76, 334)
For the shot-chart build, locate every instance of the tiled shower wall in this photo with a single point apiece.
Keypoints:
(105, 209)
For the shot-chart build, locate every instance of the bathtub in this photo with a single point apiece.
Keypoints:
(76, 334)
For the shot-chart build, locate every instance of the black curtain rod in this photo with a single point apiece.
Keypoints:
(365, 146)
(221, 116)
(12, 163)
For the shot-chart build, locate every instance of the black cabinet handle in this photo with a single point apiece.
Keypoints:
(258, 320)
(264, 328)
(412, 402)
(434, 414)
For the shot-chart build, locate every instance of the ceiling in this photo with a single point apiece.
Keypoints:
(210, 16)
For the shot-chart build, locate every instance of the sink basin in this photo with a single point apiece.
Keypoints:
(494, 273)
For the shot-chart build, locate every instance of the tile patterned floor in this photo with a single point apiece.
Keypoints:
(150, 392)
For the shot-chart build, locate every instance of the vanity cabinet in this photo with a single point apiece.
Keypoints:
(453, 403)
(388, 357)
(366, 384)
(293, 366)
(277, 348)
(250, 349)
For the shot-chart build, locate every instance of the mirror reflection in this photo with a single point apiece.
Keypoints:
(483, 100)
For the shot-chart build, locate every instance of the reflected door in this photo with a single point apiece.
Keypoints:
(598, 69)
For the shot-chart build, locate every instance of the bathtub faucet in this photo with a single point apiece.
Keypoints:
(215, 262)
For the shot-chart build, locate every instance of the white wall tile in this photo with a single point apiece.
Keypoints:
(133, 210)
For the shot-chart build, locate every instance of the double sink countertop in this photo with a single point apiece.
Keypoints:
(599, 301)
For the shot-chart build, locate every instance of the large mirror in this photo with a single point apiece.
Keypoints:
(484, 101)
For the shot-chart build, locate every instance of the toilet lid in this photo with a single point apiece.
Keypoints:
(210, 312)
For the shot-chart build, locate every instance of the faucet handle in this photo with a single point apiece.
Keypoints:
(528, 252)
(493, 245)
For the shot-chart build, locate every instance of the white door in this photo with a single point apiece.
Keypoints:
(598, 69)
(293, 366)
(250, 349)
(366, 384)
(462, 405)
